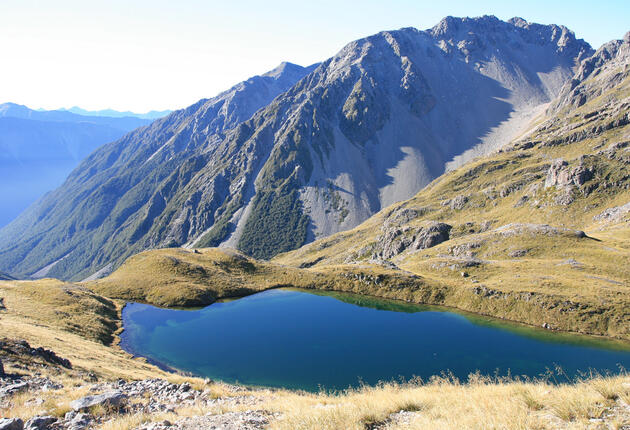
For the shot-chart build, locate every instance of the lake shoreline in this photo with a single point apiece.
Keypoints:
(232, 345)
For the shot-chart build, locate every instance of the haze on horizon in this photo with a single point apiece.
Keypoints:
(154, 55)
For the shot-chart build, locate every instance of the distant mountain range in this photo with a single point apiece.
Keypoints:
(38, 149)
(299, 153)
(154, 114)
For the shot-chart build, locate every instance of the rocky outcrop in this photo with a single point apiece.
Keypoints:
(11, 347)
(11, 424)
(606, 68)
(613, 214)
(562, 176)
(516, 229)
(40, 423)
(113, 399)
(394, 241)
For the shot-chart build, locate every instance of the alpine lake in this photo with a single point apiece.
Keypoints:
(313, 340)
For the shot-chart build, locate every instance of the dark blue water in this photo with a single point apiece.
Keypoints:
(297, 339)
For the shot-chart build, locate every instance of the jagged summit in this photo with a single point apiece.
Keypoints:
(609, 67)
(482, 34)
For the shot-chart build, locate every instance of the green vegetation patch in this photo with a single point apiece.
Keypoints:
(277, 224)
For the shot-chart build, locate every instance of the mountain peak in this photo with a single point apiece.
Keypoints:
(284, 68)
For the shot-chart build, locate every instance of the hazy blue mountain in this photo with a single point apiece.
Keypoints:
(154, 114)
(38, 149)
(297, 154)
(12, 110)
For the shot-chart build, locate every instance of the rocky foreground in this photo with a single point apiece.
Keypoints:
(40, 390)
(99, 404)
(108, 402)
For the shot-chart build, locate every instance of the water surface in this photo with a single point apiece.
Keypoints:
(306, 340)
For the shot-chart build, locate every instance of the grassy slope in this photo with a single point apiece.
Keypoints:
(179, 277)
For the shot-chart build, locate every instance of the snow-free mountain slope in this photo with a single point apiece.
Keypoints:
(366, 128)
(383, 117)
(110, 200)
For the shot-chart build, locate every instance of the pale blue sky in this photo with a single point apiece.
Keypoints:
(164, 54)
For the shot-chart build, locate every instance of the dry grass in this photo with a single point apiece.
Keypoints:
(60, 305)
(444, 404)
(440, 404)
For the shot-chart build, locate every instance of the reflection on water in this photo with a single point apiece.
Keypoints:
(311, 339)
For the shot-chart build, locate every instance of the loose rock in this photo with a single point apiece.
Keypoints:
(112, 398)
(40, 423)
(11, 424)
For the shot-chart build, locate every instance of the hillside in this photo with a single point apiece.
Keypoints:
(264, 166)
(154, 114)
(58, 353)
(38, 149)
(5, 277)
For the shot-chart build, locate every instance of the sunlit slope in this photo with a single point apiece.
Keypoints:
(544, 221)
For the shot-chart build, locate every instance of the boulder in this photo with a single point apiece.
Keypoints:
(13, 388)
(394, 241)
(561, 176)
(40, 423)
(78, 421)
(112, 398)
(11, 424)
(1, 369)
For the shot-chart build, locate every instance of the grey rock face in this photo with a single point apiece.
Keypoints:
(560, 175)
(40, 423)
(366, 128)
(605, 65)
(394, 241)
(112, 398)
(13, 388)
(78, 421)
(613, 214)
(11, 424)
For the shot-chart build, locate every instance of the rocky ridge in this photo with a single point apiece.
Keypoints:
(266, 174)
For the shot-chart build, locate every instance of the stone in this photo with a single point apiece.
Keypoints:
(79, 421)
(37, 401)
(11, 424)
(559, 175)
(458, 202)
(613, 214)
(13, 388)
(517, 253)
(1, 369)
(40, 423)
(112, 398)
